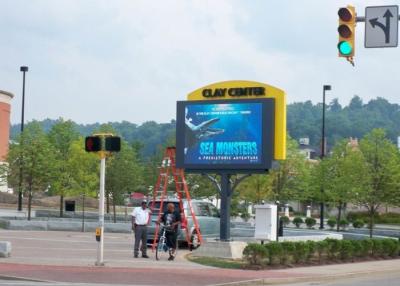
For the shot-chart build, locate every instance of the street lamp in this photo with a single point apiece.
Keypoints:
(325, 88)
(23, 69)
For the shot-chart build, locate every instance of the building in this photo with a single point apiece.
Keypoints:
(309, 152)
(5, 110)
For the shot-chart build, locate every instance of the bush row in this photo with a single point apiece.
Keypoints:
(287, 253)
(390, 218)
(298, 221)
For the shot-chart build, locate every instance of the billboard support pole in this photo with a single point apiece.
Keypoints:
(226, 197)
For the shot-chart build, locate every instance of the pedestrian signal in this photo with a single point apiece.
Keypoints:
(113, 144)
(93, 144)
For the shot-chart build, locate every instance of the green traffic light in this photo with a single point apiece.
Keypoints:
(345, 48)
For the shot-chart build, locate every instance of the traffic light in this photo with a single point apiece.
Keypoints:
(347, 29)
(113, 144)
(93, 144)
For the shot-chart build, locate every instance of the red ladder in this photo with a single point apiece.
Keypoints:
(168, 169)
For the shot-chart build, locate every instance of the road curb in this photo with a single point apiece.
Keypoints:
(21, 278)
(300, 279)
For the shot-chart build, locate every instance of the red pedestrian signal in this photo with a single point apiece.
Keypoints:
(93, 144)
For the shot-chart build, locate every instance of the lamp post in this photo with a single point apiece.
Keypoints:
(23, 69)
(322, 207)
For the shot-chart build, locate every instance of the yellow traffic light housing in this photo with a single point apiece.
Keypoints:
(347, 31)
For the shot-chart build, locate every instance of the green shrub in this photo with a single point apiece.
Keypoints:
(287, 253)
(366, 247)
(389, 218)
(274, 250)
(357, 248)
(331, 222)
(298, 221)
(358, 223)
(312, 246)
(346, 249)
(322, 248)
(255, 254)
(390, 247)
(310, 222)
(333, 247)
(352, 216)
(245, 215)
(300, 251)
(377, 247)
(285, 220)
(343, 223)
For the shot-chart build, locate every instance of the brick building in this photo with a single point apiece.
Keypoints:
(5, 109)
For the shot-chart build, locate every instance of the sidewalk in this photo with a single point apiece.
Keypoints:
(69, 257)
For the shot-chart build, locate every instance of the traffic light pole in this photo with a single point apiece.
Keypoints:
(100, 244)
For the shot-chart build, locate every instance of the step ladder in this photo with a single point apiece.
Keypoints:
(168, 173)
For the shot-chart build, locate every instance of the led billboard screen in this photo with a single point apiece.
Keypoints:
(221, 134)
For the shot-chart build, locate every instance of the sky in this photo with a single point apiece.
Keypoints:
(101, 61)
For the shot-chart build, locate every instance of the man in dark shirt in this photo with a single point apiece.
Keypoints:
(171, 220)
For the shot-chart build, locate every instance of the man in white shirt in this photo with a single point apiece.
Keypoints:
(140, 220)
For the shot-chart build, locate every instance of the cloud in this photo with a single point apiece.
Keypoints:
(131, 60)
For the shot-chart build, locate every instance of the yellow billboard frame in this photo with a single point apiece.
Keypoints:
(240, 89)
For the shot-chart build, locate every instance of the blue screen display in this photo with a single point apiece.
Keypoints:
(223, 133)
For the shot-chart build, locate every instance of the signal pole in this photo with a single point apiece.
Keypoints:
(100, 245)
(103, 144)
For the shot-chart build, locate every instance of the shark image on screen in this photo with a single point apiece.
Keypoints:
(195, 133)
(223, 133)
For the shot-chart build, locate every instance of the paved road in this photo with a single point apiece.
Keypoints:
(68, 257)
(364, 233)
(387, 279)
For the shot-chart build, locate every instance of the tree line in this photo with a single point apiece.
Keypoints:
(303, 120)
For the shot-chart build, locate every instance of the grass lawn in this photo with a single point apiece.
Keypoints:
(217, 262)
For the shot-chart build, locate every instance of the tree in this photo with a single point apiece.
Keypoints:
(341, 173)
(335, 106)
(355, 103)
(61, 136)
(380, 182)
(291, 178)
(34, 156)
(255, 189)
(287, 182)
(124, 174)
(85, 178)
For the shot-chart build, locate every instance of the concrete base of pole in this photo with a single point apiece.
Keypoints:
(221, 249)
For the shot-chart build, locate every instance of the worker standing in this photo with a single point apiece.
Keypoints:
(140, 220)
